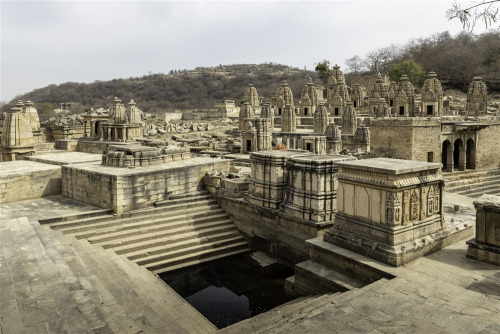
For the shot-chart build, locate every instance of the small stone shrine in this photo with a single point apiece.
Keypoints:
(486, 245)
(312, 188)
(389, 209)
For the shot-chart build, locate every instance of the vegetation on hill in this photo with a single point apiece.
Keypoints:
(456, 60)
(198, 88)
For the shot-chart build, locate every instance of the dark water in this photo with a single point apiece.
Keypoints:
(231, 290)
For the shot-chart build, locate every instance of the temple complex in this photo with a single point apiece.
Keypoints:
(358, 192)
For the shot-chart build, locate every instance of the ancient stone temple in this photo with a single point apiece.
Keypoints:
(405, 99)
(358, 95)
(119, 127)
(288, 119)
(337, 91)
(285, 93)
(17, 136)
(251, 96)
(333, 139)
(380, 90)
(134, 114)
(256, 135)
(309, 99)
(267, 112)
(246, 112)
(389, 209)
(477, 97)
(349, 120)
(432, 96)
(380, 109)
(268, 179)
(320, 119)
(32, 114)
(312, 191)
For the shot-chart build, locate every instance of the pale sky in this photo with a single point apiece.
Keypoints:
(48, 42)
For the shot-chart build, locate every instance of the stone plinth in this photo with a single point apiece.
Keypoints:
(486, 246)
(126, 189)
(268, 179)
(389, 209)
(21, 180)
(312, 187)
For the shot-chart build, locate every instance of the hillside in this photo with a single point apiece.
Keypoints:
(198, 88)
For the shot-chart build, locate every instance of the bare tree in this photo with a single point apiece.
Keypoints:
(469, 14)
(355, 64)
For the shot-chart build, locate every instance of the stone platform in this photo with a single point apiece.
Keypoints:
(126, 189)
(65, 158)
(20, 180)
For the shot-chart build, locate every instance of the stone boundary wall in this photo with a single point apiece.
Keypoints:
(22, 180)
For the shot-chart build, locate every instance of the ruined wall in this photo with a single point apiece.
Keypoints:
(488, 146)
(123, 189)
(21, 180)
(426, 138)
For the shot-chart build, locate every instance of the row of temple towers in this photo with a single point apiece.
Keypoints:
(342, 106)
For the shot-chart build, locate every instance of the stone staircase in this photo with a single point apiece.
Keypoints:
(183, 231)
(63, 285)
(473, 183)
(285, 318)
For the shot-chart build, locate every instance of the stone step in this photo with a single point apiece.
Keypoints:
(470, 174)
(188, 249)
(202, 192)
(119, 287)
(477, 192)
(71, 288)
(87, 231)
(128, 237)
(466, 184)
(309, 272)
(158, 246)
(80, 215)
(195, 259)
(111, 219)
(188, 200)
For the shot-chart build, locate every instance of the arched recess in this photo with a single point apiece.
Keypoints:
(447, 156)
(470, 154)
(457, 153)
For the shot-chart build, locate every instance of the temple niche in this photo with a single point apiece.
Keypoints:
(477, 97)
(358, 96)
(389, 209)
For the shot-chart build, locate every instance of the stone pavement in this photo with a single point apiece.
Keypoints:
(52, 283)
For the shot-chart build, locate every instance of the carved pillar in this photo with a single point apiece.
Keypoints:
(91, 129)
(462, 157)
(449, 159)
(85, 128)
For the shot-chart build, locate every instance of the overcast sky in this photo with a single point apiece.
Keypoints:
(46, 42)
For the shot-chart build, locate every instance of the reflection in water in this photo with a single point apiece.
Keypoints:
(231, 290)
(220, 305)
